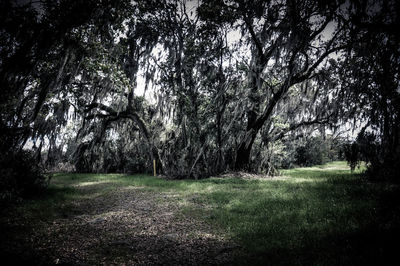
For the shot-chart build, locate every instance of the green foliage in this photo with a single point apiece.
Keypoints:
(381, 165)
(351, 154)
(372, 84)
(20, 176)
(226, 76)
(315, 151)
(136, 163)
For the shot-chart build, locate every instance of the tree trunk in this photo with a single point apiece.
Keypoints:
(242, 161)
(254, 125)
(242, 158)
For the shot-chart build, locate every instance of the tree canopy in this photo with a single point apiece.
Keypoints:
(200, 87)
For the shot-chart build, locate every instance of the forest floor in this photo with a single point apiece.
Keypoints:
(104, 222)
(321, 215)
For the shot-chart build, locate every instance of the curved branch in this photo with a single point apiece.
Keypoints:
(292, 127)
(126, 114)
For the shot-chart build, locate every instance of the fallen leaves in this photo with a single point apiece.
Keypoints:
(126, 227)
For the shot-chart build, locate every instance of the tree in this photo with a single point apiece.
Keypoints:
(371, 79)
(41, 49)
(216, 102)
(289, 42)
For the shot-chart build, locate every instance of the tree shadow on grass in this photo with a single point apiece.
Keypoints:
(342, 220)
(127, 250)
(362, 247)
(123, 226)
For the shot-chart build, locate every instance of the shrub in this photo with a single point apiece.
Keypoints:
(382, 161)
(351, 155)
(21, 176)
(314, 151)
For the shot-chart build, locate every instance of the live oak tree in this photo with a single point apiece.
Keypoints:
(290, 41)
(370, 76)
(229, 81)
(40, 49)
(96, 67)
(107, 83)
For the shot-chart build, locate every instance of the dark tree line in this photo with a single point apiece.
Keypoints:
(199, 87)
(371, 77)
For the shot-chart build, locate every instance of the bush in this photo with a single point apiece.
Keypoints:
(136, 164)
(351, 155)
(21, 176)
(314, 151)
(382, 161)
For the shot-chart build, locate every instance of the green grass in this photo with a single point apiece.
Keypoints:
(322, 215)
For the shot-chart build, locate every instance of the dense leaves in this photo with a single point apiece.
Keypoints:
(372, 81)
(198, 87)
(20, 176)
(317, 151)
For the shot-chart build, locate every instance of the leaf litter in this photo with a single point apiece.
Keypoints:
(121, 227)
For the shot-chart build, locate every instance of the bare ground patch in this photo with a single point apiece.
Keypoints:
(125, 226)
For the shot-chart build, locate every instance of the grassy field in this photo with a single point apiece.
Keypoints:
(322, 215)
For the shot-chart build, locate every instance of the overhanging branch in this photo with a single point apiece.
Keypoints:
(292, 127)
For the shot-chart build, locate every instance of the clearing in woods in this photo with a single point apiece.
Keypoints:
(319, 215)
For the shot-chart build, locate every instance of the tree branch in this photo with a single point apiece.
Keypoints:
(254, 38)
(292, 127)
(320, 59)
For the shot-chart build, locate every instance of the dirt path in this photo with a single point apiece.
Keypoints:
(126, 226)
